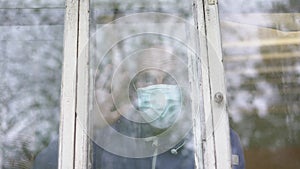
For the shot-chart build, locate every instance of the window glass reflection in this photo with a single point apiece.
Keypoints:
(260, 42)
(13, 4)
(147, 113)
(30, 64)
(142, 115)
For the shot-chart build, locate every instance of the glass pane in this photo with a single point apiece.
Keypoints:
(261, 41)
(31, 43)
(32, 4)
(141, 115)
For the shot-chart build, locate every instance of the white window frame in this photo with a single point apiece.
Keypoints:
(215, 132)
(211, 128)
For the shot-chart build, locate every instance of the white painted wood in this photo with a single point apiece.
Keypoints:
(200, 114)
(214, 133)
(82, 109)
(217, 84)
(207, 139)
(68, 88)
(197, 105)
(216, 141)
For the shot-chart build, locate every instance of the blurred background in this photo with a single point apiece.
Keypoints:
(31, 45)
(260, 42)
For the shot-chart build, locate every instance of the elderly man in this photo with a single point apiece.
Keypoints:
(147, 106)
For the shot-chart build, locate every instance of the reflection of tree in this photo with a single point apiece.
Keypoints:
(31, 55)
(105, 11)
(285, 6)
(258, 6)
(31, 3)
(286, 82)
(269, 89)
(261, 54)
(117, 58)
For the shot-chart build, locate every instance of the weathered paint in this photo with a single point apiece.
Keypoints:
(82, 108)
(217, 79)
(206, 123)
(216, 141)
(68, 88)
(206, 78)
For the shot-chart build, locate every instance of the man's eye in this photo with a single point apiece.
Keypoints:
(169, 80)
(147, 78)
(144, 80)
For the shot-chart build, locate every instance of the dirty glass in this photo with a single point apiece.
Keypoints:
(31, 40)
(261, 40)
(32, 4)
(141, 112)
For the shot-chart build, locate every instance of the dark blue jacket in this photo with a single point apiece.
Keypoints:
(184, 159)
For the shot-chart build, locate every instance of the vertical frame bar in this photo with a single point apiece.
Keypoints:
(69, 87)
(73, 144)
(216, 139)
(197, 101)
(217, 83)
(197, 107)
(207, 143)
(82, 108)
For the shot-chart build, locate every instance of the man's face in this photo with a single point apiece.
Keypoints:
(155, 66)
(150, 77)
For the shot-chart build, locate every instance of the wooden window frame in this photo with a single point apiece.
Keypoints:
(211, 128)
(215, 133)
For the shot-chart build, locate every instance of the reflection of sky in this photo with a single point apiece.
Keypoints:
(130, 55)
(168, 5)
(31, 81)
(261, 55)
(30, 66)
(245, 6)
(31, 3)
(259, 100)
(104, 11)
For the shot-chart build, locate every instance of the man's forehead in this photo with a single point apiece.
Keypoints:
(158, 59)
(153, 72)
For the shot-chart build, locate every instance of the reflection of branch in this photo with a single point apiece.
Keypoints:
(269, 56)
(19, 126)
(282, 91)
(262, 42)
(275, 69)
(273, 80)
(274, 21)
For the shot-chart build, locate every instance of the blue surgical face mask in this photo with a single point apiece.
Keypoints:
(160, 104)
